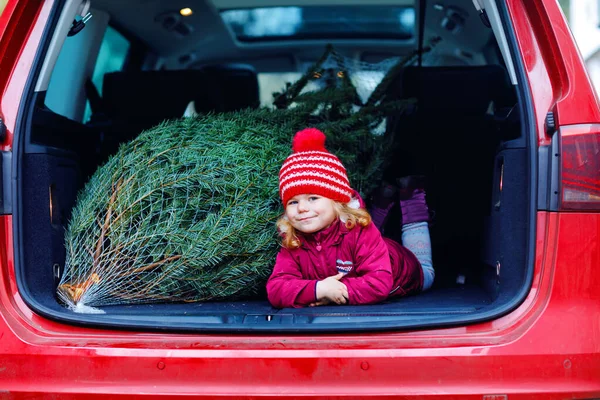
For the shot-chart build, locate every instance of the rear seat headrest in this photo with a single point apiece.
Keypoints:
(153, 96)
(466, 90)
(238, 82)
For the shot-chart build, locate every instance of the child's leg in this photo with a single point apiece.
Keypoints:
(415, 237)
(382, 202)
(415, 224)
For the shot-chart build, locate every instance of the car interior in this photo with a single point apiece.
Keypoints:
(137, 63)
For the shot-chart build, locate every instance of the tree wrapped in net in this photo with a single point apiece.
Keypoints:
(186, 211)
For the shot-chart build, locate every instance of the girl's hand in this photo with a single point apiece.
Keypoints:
(332, 289)
(323, 302)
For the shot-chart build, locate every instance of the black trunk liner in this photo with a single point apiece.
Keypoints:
(459, 300)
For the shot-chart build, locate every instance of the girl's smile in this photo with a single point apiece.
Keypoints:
(310, 213)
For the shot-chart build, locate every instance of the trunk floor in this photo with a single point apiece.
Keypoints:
(455, 300)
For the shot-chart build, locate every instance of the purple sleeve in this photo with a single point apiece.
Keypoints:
(285, 287)
(372, 263)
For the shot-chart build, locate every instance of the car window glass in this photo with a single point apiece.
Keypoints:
(336, 22)
(111, 57)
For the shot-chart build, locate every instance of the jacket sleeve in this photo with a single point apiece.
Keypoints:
(285, 287)
(372, 265)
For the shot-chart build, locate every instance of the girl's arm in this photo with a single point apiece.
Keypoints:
(285, 287)
(372, 265)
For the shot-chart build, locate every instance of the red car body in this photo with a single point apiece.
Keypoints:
(547, 348)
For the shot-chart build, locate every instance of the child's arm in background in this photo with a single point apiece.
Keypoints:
(372, 265)
(286, 287)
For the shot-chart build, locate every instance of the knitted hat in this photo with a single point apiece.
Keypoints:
(311, 169)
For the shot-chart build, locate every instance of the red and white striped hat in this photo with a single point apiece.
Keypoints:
(311, 169)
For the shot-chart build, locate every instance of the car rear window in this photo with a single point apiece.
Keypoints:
(323, 22)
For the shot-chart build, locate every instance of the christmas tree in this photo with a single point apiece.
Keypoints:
(186, 211)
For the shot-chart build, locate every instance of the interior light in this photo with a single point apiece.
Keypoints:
(501, 176)
(186, 12)
(51, 204)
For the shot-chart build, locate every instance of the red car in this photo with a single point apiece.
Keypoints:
(507, 129)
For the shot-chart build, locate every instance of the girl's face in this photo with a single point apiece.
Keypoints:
(310, 213)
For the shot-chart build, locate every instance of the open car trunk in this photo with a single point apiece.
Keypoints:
(467, 135)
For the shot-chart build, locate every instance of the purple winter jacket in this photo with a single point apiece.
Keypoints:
(375, 267)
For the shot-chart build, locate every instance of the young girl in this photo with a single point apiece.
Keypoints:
(331, 251)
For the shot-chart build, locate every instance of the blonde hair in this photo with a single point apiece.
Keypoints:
(348, 215)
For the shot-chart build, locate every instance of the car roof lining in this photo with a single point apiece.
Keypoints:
(212, 41)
